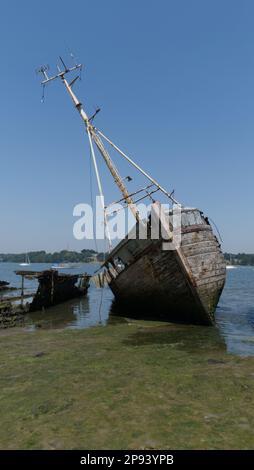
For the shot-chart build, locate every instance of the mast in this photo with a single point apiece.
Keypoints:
(92, 134)
(84, 116)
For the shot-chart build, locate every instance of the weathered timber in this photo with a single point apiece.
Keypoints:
(182, 284)
(15, 298)
(54, 288)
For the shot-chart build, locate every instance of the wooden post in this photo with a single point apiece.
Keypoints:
(52, 287)
(22, 290)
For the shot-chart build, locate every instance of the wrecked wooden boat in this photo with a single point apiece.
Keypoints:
(183, 282)
(53, 288)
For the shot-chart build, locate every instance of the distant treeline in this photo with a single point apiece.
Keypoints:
(86, 256)
(241, 259)
(63, 256)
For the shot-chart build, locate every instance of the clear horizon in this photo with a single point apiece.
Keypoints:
(175, 85)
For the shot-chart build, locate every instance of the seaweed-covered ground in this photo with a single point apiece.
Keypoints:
(129, 385)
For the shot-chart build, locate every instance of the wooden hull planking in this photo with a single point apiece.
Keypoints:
(180, 285)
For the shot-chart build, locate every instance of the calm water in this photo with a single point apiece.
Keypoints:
(234, 316)
(235, 312)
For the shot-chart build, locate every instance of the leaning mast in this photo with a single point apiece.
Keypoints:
(95, 136)
(92, 135)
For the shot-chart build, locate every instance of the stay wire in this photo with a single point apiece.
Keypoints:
(95, 240)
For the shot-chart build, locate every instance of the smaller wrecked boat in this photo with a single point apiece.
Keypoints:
(54, 288)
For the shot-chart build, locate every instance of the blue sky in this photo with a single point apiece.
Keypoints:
(175, 82)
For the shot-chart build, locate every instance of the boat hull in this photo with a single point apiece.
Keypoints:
(181, 285)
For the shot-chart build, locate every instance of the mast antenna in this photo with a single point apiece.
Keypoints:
(43, 70)
(61, 73)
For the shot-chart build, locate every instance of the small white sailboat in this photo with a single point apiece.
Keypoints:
(58, 266)
(230, 265)
(66, 266)
(27, 261)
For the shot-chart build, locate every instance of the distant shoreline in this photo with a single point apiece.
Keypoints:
(240, 259)
(63, 256)
(91, 256)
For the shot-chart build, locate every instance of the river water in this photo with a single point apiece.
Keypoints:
(234, 315)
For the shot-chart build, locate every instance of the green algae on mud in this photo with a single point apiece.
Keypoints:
(128, 385)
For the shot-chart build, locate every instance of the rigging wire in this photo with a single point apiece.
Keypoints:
(95, 240)
(217, 230)
(103, 286)
(91, 194)
(43, 93)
